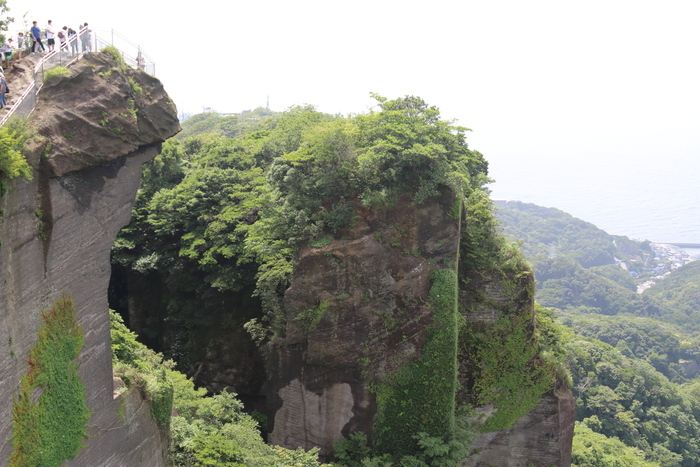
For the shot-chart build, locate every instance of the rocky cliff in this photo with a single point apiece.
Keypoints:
(542, 436)
(363, 331)
(356, 314)
(95, 127)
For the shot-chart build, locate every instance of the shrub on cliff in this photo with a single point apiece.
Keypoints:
(58, 70)
(205, 430)
(50, 429)
(13, 140)
(138, 365)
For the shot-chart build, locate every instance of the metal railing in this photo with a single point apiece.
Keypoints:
(67, 54)
(134, 56)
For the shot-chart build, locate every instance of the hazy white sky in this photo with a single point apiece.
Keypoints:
(533, 79)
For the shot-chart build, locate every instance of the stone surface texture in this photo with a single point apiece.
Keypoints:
(375, 282)
(541, 438)
(57, 233)
(356, 312)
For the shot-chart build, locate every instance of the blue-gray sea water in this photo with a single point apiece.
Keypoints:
(657, 198)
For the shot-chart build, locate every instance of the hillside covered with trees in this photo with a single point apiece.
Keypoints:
(634, 369)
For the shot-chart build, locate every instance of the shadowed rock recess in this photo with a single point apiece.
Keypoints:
(95, 128)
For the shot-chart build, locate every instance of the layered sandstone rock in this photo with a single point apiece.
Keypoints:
(57, 233)
(541, 438)
(356, 312)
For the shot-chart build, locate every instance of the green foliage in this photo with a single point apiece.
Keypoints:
(680, 290)
(47, 432)
(629, 411)
(510, 377)
(514, 360)
(591, 449)
(564, 284)
(351, 452)
(229, 213)
(321, 241)
(57, 70)
(420, 398)
(187, 235)
(215, 431)
(628, 399)
(539, 227)
(662, 345)
(552, 339)
(135, 88)
(116, 54)
(138, 365)
(229, 126)
(5, 20)
(406, 148)
(482, 247)
(582, 275)
(311, 317)
(206, 430)
(431, 451)
(13, 142)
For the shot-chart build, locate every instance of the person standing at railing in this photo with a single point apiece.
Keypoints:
(85, 38)
(62, 35)
(73, 39)
(50, 32)
(36, 37)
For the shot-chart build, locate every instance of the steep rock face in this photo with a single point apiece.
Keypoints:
(541, 438)
(57, 233)
(356, 311)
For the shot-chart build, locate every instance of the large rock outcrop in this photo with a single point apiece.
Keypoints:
(95, 130)
(357, 312)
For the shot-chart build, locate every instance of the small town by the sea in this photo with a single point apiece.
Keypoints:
(666, 258)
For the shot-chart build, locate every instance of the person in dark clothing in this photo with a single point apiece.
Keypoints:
(36, 37)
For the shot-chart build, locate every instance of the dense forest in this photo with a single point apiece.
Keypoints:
(634, 368)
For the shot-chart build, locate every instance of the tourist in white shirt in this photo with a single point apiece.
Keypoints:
(9, 50)
(49, 36)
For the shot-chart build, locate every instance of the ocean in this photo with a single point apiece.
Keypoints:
(654, 198)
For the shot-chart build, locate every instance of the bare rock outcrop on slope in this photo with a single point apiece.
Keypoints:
(57, 233)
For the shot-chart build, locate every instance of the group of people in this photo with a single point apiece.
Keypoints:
(65, 36)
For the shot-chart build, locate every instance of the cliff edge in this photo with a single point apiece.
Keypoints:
(95, 127)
